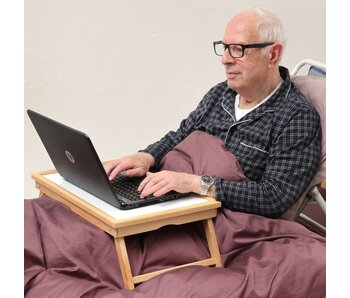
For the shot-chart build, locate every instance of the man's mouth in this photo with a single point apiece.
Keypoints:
(231, 74)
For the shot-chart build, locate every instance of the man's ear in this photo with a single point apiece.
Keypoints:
(276, 53)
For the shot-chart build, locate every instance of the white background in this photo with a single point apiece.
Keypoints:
(126, 72)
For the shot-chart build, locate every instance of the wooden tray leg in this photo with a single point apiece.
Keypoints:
(212, 241)
(124, 263)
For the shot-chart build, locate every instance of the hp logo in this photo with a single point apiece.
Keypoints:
(69, 156)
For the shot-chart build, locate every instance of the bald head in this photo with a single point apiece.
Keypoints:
(243, 28)
(260, 24)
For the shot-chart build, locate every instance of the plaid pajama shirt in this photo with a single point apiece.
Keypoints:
(277, 145)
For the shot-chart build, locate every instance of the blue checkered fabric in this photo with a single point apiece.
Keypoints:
(277, 145)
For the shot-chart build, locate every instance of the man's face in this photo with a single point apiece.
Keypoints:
(250, 70)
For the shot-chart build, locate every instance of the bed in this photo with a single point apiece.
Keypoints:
(65, 256)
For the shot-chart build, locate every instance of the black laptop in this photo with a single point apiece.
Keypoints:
(76, 160)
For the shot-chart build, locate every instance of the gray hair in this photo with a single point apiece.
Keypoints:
(269, 26)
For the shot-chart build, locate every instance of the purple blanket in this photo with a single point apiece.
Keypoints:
(67, 257)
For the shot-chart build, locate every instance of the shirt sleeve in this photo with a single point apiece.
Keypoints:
(293, 161)
(160, 148)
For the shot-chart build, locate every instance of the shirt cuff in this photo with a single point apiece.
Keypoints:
(219, 194)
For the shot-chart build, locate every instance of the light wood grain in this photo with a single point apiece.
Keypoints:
(121, 227)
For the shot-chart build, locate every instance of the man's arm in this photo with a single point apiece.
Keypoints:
(293, 161)
(139, 164)
(171, 139)
(159, 183)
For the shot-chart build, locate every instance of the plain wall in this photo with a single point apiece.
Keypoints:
(126, 72)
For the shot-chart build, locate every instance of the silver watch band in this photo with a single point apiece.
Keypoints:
(206, 183)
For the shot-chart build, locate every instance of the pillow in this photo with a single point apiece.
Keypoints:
(314, 89)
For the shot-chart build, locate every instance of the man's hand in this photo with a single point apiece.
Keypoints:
(133, 165)
(159, 183)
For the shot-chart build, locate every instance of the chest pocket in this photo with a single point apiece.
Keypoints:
(253, 157)
(253, 147)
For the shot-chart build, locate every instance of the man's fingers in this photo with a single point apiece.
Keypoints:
(145, 181)
(119, 167)
(110, 167)
(135, 172)
(165, 189)
(133, 165)
(154, 183)
(152, 187)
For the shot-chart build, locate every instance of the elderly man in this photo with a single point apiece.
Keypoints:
(260, 116)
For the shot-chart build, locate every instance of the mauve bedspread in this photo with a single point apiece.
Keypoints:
(67, 257)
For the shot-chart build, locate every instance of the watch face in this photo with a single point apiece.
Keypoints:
(207, 179)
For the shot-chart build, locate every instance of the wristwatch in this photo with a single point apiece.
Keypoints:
(206, 182)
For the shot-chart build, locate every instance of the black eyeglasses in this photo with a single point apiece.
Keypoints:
(236, 50)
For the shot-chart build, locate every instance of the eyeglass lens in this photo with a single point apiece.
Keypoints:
(235, 51)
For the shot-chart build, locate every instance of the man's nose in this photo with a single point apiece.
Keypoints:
(226, 58)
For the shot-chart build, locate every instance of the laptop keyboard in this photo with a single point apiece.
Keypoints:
(127, 187)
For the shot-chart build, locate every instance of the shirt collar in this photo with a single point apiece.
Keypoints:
(266, 107)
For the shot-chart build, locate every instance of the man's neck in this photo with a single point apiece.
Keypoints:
(249, 99)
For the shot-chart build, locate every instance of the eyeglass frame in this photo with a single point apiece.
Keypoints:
(244, 46)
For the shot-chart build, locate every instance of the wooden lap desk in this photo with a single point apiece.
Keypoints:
(121, 223)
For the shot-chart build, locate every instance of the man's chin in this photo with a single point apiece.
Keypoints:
(231, 83)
